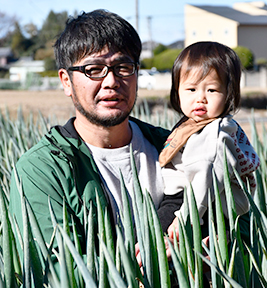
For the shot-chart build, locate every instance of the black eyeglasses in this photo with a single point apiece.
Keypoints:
(97, 71)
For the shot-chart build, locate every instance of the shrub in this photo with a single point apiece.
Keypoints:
(246, 56)
(162, 61)
(49, 73)
(159, 49)
(50, 64)
(10, 85)
(165, 60)
(147, 63)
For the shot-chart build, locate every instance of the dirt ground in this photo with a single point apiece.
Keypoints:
(54, 103)
(49, 102)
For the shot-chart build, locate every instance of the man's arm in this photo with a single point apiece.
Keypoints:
(41, 182)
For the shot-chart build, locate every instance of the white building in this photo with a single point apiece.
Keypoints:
(18, 70)
(243, 25)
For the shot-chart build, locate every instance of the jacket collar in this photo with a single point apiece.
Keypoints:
(155, 135)
(68, 130)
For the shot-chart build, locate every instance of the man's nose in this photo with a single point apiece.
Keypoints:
(110, 80)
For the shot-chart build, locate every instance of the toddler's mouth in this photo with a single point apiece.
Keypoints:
(199, 111)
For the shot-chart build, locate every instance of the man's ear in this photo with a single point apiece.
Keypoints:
(66, 81)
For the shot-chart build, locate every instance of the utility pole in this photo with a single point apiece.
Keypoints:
(150, 34)
(136, 16)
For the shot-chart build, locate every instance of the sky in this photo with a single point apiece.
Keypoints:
(159, 20)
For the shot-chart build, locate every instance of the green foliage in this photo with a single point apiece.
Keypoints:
(160, 48)
(46, 51)
(17, 44)
(147, 63)
(50, 64)
(9, 85)
(49, 73)
(165, 60)
(234, 264)
(4, 73)
(35, 39)
(246, 56)
(53, 25)
(162, 61)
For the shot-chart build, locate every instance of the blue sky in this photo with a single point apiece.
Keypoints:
(165, 18)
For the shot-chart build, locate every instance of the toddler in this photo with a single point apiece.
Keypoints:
(205, 89)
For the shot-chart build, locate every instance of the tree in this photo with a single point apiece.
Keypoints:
(31, 29)
(6, 28)
(6, 23)
(165, 60)
(50, 64)
(246, 56)
(53, 26)
(18, 41)
(160, 48)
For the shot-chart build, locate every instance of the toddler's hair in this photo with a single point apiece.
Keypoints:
(207, 56)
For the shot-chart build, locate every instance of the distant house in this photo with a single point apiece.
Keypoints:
(243, 25)
(179, 44)
(147, 49)
(5, 55)
(18, 70)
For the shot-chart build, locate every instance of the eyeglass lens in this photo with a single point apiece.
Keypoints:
(101, 70)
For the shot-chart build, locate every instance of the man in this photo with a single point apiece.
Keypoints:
(98, 59)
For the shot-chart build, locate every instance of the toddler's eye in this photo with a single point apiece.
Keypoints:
(212, 90)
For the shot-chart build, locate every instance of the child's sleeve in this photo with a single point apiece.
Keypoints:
(168, 206)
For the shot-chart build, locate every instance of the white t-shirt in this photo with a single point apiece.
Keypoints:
(111, 161)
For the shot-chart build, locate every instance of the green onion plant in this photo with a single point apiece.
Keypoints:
(110, 262)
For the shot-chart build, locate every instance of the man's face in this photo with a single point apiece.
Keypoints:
(107, 101)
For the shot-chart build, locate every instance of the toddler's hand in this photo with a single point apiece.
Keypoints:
(171, 228)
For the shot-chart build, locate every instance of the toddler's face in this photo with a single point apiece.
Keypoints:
(203, 99)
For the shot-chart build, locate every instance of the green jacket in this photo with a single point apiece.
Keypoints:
(60, 167)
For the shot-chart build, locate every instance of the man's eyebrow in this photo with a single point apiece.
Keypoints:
(121, 58)
(125, 58)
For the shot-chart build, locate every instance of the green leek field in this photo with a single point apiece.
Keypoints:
(113, 264)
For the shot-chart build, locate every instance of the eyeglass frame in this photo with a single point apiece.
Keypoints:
(82, 69)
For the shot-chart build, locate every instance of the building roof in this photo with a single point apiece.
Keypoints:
(5, 52)
(27, 62)
(235, 15)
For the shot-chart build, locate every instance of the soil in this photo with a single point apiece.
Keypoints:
(54, 104)
(50, 102)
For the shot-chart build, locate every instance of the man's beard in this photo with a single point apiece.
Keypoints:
(106, 121)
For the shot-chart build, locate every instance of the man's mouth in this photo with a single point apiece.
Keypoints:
(110, 102)
(108, 98)
(111, 99)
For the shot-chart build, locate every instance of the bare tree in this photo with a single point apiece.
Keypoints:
(6, 24)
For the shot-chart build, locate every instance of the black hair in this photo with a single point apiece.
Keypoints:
(90, 32)
(208, 56)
